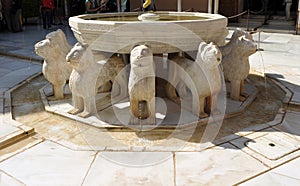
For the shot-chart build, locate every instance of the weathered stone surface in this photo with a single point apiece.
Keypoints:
(181, 36)
(202, 77)
(217, 166)
(141, 85)
(8, 180)
(49, 161)
(236, 63)
(88, 74)
(55, 69)
(132, 168)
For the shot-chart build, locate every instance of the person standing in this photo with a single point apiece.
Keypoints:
(288, 4)
(1, 16)
(7, 5)
(16, 16)
(92, 6)
(46, 10)
(148, 5)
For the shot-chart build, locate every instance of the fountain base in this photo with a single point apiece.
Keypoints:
(169, 115)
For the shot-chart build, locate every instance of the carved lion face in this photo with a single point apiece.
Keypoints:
(43, 48)
(247, 46)
(141, 56)
(209, 54)
(53, 44)
(75, 55)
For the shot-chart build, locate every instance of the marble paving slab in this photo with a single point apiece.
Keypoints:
(129, 168)
(287, 174)
(272, 179)
(273, 145)
(7, 180)
(222, 165)
(49, 164)
(6, 129)
(264, 153)
(291, 124)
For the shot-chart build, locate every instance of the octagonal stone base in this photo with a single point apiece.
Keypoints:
(169, 115)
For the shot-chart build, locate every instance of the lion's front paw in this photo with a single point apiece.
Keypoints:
(53, 98)
(84, 114)
(203, 115)
(243, 98)
(74, 111)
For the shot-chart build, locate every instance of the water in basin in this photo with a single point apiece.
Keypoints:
(163, 17)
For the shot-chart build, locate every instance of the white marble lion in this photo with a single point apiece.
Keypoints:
(54, 49)
(89, 73)
(202, 77)
(141, 85)
(236, 63)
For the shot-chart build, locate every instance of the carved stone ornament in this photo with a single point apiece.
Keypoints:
(141, 85)
(54, 49)
(236, 62)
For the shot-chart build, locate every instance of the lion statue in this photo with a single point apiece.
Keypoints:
(236, 62)
(54, 49)
(89, 73)
(202, 77)
(141, 85)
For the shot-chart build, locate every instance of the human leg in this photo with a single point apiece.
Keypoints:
(288, 10)
(48, 17)
(44, 18)
(7, 17)
(16, 21)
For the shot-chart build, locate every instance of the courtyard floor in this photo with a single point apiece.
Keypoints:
(260, 146)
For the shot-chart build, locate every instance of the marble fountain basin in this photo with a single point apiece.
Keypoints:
(172, 32)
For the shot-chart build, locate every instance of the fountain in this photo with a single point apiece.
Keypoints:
(192, 93)
(209, 27)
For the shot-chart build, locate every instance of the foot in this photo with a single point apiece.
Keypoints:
(203, 115)
(84, 114)
(243, 97)
(53, 98)
(74, 111)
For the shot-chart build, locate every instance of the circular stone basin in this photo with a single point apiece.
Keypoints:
(172, 32)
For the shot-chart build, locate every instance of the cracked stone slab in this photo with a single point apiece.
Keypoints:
(222, 165)
(287, 174)
(131, 168)
(49, 164)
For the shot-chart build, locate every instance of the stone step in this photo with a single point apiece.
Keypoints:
(15, 136)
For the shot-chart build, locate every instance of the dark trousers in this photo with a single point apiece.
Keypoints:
(17, 21)
(47, 17)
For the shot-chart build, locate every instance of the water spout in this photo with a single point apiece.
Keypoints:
(148, 17)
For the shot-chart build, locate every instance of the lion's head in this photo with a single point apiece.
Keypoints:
(54, 43)
(141, 56)
(75, 55)
(209, 55)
